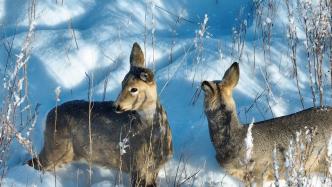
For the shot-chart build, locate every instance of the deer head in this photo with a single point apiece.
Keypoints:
(139, 90)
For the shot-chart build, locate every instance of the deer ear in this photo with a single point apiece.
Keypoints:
(231, 76)
(146, 76)
(136, 56)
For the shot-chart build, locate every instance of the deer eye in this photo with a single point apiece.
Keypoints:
(133, 90)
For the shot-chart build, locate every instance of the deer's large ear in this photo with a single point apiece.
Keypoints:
(136, 56)
(231, 76)
(146, 76)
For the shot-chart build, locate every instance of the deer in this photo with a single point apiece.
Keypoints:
(131, 134)
(228, 135)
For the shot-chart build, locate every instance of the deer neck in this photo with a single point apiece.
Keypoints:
(224, 126)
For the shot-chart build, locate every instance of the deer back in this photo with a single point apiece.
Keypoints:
(316, 122)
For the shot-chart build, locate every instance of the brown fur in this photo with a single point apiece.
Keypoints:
(137, 117)
(227, 135)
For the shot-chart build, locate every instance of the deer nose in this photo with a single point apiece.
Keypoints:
(204, 83)
(118, 109)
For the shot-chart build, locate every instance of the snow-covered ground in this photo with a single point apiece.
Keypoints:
(95, 38)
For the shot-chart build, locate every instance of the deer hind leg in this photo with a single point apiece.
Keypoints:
(56, 152)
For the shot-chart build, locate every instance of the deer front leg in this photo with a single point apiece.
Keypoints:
(143, 180)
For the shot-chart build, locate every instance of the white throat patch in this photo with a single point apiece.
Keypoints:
(147, 115)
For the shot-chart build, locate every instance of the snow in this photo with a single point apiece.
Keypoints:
(94, 38)
(249, 143)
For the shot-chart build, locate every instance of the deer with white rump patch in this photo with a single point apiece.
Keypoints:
(228, 135)
(131, 134)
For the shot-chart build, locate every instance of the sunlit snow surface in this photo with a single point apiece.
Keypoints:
(95, 38)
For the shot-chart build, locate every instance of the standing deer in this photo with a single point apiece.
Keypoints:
(136, 119)
(228, 135)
